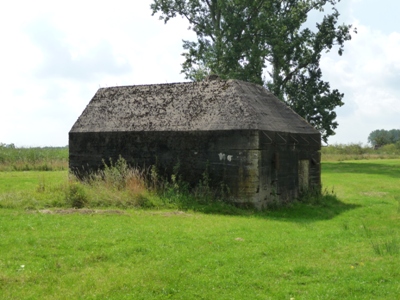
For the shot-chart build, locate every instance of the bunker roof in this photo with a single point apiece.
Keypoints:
(189, 106)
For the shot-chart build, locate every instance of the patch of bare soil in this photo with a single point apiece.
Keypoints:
(374, 194)
(174, 213)
(82, 211)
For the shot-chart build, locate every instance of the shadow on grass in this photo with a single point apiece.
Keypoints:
(329, 208)
(326, 208)
(386, 168)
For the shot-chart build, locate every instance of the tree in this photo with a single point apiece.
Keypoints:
(381, 137)
(240, 39)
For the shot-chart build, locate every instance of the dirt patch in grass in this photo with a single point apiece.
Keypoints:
(86, 211)
(174, 213)
(374, 194)
(82, 211)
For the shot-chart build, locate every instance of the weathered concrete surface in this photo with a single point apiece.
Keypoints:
(191, 106)
(228, 156)
(246, 138)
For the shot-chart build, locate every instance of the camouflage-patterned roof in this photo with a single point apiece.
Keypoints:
(189, 106)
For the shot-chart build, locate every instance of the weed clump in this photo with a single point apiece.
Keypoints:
(316, 196)
(117, 174)
(117, 185)
(76, 196)
(381, 247)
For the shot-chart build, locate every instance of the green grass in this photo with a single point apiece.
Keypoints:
(345, 247)
(34, 158)
(32, 189)
(29, 180)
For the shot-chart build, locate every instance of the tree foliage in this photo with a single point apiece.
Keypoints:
(240, 39)
(381, 137)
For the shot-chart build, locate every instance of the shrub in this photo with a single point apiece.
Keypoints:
(76, 196)
(388, 149)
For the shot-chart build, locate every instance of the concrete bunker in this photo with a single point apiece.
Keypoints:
(247, 138)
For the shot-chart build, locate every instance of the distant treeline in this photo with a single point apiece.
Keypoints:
(381, 137)
(13, 158)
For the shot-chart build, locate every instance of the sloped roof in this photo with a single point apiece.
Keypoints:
(190, 106)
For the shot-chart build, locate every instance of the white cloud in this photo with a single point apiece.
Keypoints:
(59, 61)
(57, 54)
(369, 75)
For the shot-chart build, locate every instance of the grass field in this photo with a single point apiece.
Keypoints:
(346, 247)
(343, 152)
(33, 159)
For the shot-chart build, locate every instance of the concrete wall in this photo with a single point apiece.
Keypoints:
(282, 153)
(230, 156)
(258, 167)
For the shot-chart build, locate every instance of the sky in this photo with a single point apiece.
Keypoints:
(55, 55)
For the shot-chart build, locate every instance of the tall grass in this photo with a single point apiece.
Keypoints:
(33, 159)
(119, 185)
(342, 152)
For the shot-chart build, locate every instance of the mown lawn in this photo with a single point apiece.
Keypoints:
(345, 248)
(28, 181)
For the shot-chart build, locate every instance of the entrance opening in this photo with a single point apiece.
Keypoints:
(304, 174)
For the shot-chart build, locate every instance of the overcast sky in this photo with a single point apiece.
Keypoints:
(54, 55)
